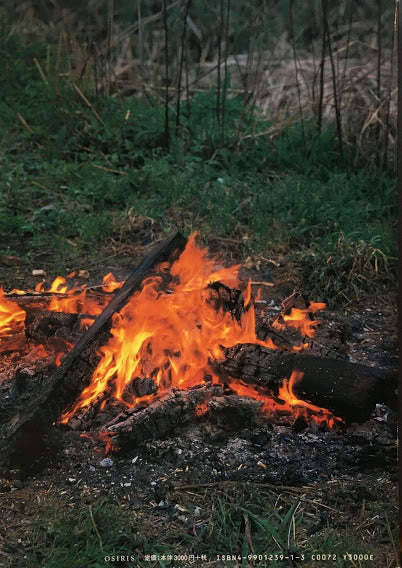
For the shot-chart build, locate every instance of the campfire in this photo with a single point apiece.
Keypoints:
(182, 339)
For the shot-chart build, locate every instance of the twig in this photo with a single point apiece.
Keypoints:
(111, 170)
(268, 284)
(88, 103)
(25, 124)
(230, 482)
(95, 528)
(39, 68)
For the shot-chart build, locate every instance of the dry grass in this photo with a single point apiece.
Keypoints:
(288, 78)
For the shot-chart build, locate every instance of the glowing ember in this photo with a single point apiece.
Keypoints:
(171, 329)
(62, 296)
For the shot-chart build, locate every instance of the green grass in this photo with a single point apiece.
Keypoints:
(72, 173)
(253, 525)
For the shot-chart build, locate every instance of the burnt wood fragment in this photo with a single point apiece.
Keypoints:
(23, 439)
(42, 324)
(175, 408)
(349, 390)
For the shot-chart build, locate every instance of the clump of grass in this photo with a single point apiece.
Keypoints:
(81, 536)
(260, 522)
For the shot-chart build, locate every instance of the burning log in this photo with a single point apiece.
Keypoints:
(175, 408)
(349, 390)
(24, 437)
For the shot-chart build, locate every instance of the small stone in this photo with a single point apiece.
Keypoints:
(83, 274)
(106, 462)
(134, 459)
(38, 272)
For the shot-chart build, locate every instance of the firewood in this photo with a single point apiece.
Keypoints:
(24, 438)
(176, 408)
(160, 418)
(349, 390)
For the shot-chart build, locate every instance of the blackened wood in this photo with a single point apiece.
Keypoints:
(162, 417)
(24, 437)
(349, 390)
(42, 324)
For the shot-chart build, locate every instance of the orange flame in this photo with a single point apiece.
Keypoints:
(64, 297)
(300, 319)
(170, 336)
(287, 394)
(12, 317)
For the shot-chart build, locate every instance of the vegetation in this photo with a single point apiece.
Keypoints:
(80, 168)
(228, 519)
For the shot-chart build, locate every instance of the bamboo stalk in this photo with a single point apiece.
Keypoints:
(180, 72)
(225, 75)
(379, 85)
(391, 78)
(321, 92)
(218, 87)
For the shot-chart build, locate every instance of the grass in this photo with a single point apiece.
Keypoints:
(229, 525)
(75, 171)
(77, 166)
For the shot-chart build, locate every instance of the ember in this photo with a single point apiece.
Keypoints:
(171, 329)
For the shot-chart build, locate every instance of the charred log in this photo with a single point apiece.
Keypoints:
(349, 390)
(175, 408)
(41, 324)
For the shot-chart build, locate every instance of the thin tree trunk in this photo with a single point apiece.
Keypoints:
(165, 25)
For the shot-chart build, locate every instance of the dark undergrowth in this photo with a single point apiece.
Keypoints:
(77, 168)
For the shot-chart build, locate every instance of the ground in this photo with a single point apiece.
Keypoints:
(169, 493)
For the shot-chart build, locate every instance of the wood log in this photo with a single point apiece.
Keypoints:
(177, 407)
(23, 439)
(349, 390)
